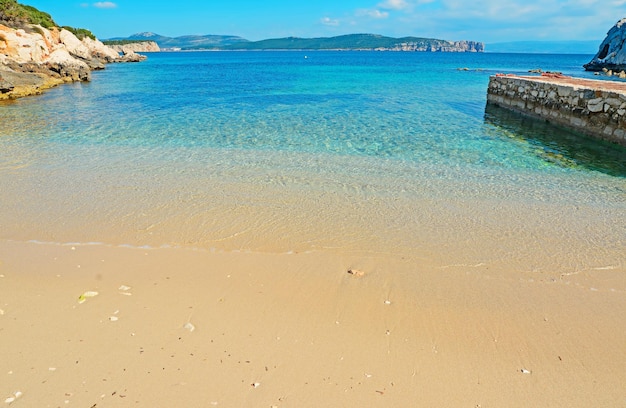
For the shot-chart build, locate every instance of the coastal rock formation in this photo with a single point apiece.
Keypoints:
(140, 46)
(131, 56)
(70, 69)
(5, 86)
(34, 58)
(447, 46)
(468, 46)
(612, 52)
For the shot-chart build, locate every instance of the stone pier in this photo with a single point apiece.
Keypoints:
(592, 107)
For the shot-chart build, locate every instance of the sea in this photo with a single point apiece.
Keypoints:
(367, 153)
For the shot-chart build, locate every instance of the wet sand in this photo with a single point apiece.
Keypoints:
(182, 327)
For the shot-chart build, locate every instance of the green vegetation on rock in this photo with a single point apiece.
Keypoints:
(350, 41)
(80, 33)
(342, 42)
(358, 42)
(16, 15)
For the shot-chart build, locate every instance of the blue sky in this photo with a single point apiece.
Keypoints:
(481, 20)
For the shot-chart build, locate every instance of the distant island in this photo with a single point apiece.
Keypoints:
(369, 42)
(151, 42)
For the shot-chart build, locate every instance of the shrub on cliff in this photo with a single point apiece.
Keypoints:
(15, 15)
(80, 33)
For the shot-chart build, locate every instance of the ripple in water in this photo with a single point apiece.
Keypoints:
(355, 152)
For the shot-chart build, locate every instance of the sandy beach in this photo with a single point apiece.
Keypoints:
(348, 233)
(98, 326)
(275, 295)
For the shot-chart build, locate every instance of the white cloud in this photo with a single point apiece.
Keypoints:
(105, 5)
(394, 4)
(486, 20)
(329, 21)
(403, 5)
(496, 9)
(377, 14)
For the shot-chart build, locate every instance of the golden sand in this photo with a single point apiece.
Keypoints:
(179, 327)
(263, 286)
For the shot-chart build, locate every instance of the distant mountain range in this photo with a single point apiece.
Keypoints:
(359, 42)
(545, 47)
(186, 42)
(344, 42)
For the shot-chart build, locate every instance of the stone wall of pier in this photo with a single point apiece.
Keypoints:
(586, 109)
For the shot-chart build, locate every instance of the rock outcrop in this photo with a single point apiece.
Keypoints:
(447, 46)
(140, 46)
(612, 52)
(34, 58)
(131, 56)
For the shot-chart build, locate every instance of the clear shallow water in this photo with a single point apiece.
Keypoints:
(298, 151)
(415, 107)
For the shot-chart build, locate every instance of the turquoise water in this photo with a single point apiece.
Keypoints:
(206, 144)
(406, 106)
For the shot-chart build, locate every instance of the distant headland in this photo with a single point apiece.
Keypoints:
(360, 42)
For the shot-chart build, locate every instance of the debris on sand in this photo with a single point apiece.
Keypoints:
(356, 273)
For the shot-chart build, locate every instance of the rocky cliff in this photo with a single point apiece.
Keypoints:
(140, 46)
(612, 52)
(447, 46)
(34, 58)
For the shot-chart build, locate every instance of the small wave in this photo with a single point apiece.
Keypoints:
(147, 247)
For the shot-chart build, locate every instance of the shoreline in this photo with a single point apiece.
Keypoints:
(25, 84)
(299, 330)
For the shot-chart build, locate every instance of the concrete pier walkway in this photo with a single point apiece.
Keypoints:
(595, 108)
